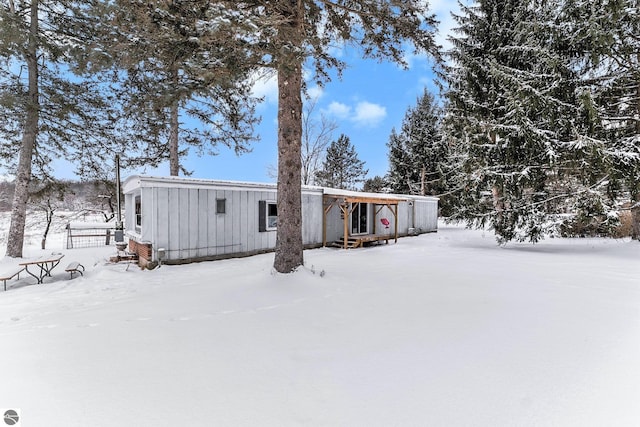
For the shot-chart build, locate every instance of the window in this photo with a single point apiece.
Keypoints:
(267, 215)
(272, 216)
(221, 206)
(138, 213)
(359, 219)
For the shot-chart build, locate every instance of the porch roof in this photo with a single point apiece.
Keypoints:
(349, 196)
(346, 201)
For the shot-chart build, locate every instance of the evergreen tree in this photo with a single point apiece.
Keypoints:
(377, 184)
(604, 45)
(519, 129)
(341, 167)
(400, 165)
(183, 79)
(47, 112)
(417, 155)
(288, 33)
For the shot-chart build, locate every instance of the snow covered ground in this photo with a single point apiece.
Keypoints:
(444, 329)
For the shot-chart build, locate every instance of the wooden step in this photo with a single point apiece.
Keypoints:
(352, 242)
(359, 241)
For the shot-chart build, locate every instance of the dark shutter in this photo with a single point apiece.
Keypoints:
(262, 215)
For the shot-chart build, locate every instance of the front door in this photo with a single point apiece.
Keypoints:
(359, 219)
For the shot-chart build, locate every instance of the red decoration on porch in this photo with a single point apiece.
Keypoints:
(385, 222)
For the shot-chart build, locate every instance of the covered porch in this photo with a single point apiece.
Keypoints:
(360, 217)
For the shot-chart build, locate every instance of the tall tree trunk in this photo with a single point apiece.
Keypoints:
(289, 248)
(635, 209)
(174, 124)
(635, 216)
(15, 239)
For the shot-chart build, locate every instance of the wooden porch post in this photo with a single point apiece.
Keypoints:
(346, 212)
(395, 222)
(375, 217)
(324, 221)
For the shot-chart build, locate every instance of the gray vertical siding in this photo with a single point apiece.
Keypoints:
(334, 224)
(426, 215)
(387, 212)
(146, 199)
(312, 217)
(183, 219)
(129, 212)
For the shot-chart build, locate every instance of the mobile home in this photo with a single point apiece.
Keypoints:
(178, 220)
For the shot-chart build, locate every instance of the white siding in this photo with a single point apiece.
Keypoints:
(232, 238)
(174, 248)
(335, 226)
(129, 212)
(186, 224)
(388, 213)
(146, 226)
(312, 217)
(180, 216)
(203, 213)
(426, 215)
(161, 213)
(404, 209)
(213, 222)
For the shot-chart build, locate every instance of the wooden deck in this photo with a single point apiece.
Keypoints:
(362, 240)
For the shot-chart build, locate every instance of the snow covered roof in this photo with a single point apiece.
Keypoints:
(137, 181)
(347, 194)
(360, 195)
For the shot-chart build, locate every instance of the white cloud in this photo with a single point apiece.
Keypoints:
(266, 86)
(315, 92)
(369, 114)
(339, 110)
(363, 114)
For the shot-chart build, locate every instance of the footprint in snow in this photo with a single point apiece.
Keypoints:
(270, 307)
(89, 325)
(139, 319)
(45, 327)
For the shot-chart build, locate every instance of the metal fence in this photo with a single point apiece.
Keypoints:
(89, 234)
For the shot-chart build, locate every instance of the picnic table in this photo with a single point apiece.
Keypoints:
(44, 264)
(5, 276)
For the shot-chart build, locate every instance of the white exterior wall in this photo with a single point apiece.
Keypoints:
(179, 215)
(387, 212)
(129, 211)
(182, 219)
(425, 214)
(335, 225)
(312, 217)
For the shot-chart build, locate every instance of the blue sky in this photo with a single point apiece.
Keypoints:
(368, 101)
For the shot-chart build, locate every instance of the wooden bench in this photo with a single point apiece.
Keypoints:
(74, 267)
(10, 275)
